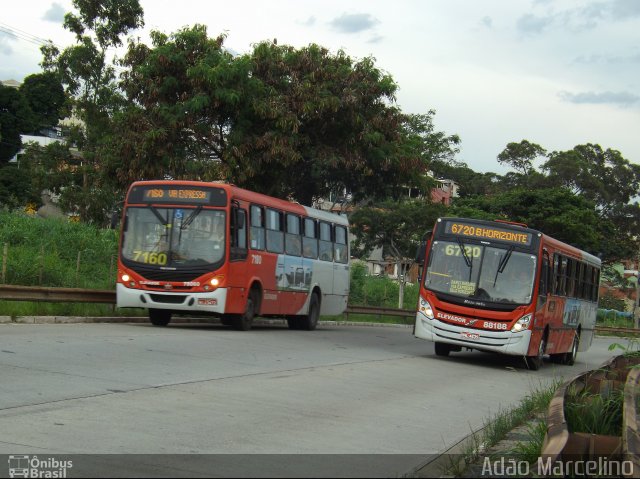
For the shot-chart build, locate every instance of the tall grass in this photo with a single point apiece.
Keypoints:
(57, 253)
(595, 413)
(378, 291)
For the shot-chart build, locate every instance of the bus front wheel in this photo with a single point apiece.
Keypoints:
(535, 362)
(442, 349)
(159, 317)
(243, 322)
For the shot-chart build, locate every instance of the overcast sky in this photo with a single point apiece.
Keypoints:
(557, 73)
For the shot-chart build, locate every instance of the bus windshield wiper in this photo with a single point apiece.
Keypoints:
(503, 264)
(467, 260)
(163, 222)
(191, 217)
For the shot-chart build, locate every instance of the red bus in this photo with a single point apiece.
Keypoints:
(213, 248)
(502, 287)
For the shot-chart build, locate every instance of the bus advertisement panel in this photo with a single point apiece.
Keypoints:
(213, 248)
(503, 287)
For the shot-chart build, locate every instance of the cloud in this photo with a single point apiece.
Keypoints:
(6, 38)
(529, 24)
(607, 59)
(624, 9)
(487, 22)
(55, 13)
(354, 23)
(579, 19)
(616, 98)
(309, 22)
(376, 39)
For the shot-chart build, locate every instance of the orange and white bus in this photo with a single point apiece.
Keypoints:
(214, 248)
(502, 287)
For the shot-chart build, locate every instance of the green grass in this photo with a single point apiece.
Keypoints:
(57, 253)
(498, 426)
(595, 413)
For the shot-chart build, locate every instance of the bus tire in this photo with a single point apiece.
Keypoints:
(294, 322)
(159, 317)
(535, 362)
(310, 321)
(442, 349)
(226, 320)
(243, 322)
(570, 357)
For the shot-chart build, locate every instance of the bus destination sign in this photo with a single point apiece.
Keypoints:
(485, 232)
(178, 195)
(174, 194)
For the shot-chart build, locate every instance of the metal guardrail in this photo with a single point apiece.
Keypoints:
(10, 292)
(56, 295)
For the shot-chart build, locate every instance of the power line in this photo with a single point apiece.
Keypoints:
(22, 34)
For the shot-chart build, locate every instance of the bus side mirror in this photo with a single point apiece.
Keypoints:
(420, 253)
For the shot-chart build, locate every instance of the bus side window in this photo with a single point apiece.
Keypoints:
(292, 240)
(310, 239)
(275, 233)
(557, 278)
(257, 227)
(544, 276)
(596, 284)
(326, 245)
(340, 246)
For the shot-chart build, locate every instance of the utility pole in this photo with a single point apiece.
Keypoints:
(636, 303)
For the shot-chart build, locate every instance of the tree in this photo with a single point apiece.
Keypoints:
(395, 226)
(292, 123)
(15, 118)
(520, 156)
(319, 123)
(470, 182)
(89, 79)
(554, 211)
(185, 91)
(602, 176)
(16, 188)
(45, 95)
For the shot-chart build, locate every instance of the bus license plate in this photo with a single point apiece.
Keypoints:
(465, 335)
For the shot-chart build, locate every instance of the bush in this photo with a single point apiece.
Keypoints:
(609, 301)
(44, 252)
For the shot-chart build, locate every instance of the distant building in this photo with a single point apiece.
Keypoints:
(11, 83)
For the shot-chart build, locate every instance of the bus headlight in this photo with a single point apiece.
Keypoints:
(522, 323)
(125, 278)
(425, 308)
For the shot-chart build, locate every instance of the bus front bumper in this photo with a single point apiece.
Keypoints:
(504, 342)
(210, 302)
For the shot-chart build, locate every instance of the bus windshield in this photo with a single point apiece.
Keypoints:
(173, 237)
(486, 273)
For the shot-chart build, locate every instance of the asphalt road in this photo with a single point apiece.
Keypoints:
(342, 400)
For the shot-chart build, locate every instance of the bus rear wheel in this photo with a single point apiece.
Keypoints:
(159, 317)
(442, 349)
(310, 321)
(570, 357)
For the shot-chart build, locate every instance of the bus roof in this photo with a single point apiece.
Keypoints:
(236, 192)
(575, 251)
